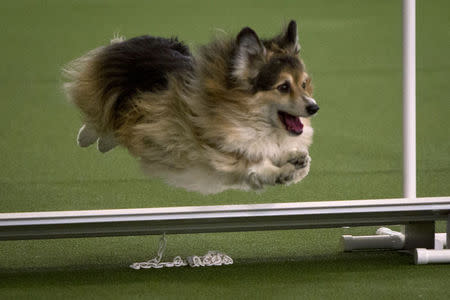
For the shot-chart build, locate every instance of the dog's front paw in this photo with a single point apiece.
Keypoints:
(254, 181)
(299, 159)
(303, 172)
(268, 174)
(286, 175)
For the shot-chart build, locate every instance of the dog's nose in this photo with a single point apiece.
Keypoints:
(312, 109)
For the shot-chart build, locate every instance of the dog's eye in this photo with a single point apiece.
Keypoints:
(304, 84)
(284, 88)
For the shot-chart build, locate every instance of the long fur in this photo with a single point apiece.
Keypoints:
(206, 122)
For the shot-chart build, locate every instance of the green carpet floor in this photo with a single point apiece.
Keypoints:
(352, 49)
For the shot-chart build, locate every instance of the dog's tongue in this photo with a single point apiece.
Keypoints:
(292, 123)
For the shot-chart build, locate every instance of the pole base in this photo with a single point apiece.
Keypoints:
(393, 240)
(424, 256)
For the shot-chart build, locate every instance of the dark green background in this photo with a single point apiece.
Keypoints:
(353, 52)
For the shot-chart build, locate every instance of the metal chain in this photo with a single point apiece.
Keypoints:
(212, 258)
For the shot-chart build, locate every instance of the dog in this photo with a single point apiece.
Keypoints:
(233, 116)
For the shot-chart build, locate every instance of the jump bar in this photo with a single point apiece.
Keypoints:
(224, 218)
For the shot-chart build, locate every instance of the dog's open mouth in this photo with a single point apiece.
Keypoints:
(292, 123)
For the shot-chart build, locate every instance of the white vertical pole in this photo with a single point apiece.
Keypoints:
(409, 99)
(417, 235)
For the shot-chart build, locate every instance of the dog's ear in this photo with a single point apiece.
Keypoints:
(248, 43)
(249, 53)
(289, 38)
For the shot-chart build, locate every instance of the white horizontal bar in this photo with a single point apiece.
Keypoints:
(195, 219)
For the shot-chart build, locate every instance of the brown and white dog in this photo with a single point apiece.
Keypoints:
(232, 116)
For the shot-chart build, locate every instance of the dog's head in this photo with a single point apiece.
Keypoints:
(274, 78)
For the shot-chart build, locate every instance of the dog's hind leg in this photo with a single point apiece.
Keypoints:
(87, 135)
(106, 143)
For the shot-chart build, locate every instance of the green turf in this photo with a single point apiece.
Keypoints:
(352, 50)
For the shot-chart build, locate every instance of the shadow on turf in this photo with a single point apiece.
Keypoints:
(277, 268)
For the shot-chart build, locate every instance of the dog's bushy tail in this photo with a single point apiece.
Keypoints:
(96, 99)
(103, 83)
